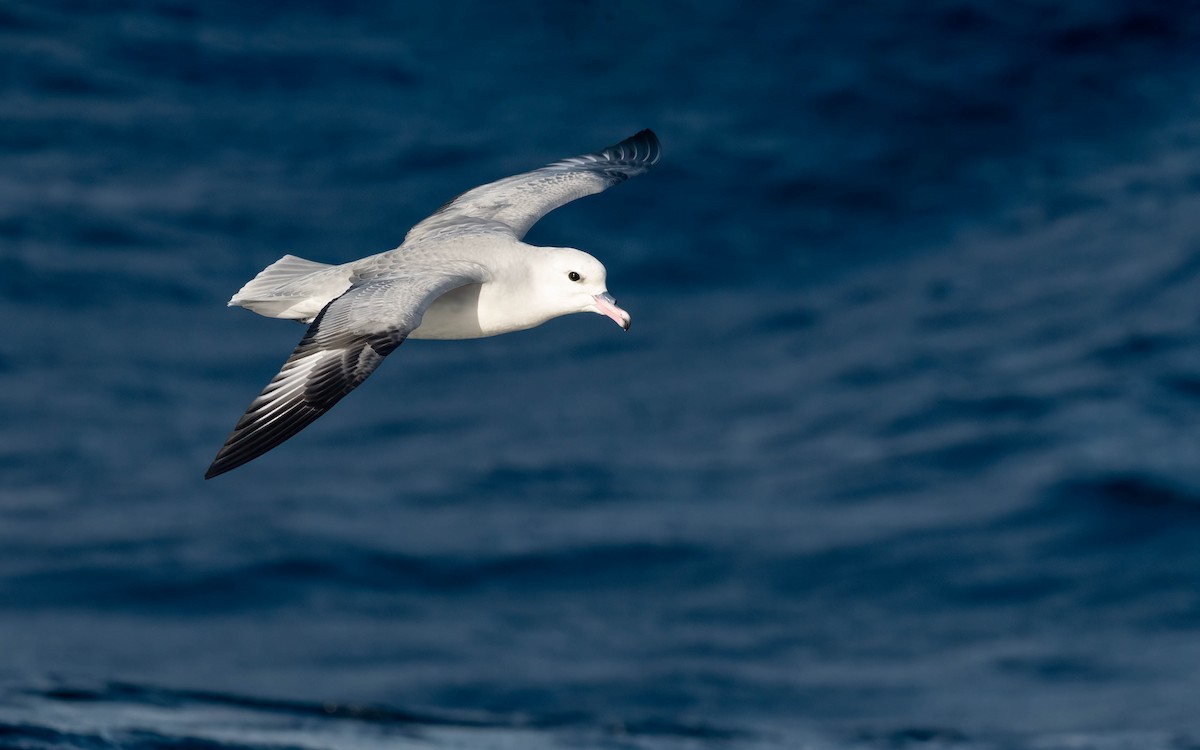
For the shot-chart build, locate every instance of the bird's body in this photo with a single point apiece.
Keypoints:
(461, 273)
(474, 310)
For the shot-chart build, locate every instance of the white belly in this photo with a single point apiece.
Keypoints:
(454, 315)
(475, 311)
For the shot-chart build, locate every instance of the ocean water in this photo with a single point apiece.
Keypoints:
(900, 452)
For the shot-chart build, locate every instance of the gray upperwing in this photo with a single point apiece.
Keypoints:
(516, 203)
(342, 347)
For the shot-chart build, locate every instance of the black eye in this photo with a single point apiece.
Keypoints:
(573, 276)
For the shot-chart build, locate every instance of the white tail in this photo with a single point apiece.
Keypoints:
(292, 288)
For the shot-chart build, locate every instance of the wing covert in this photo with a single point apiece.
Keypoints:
(515, 204)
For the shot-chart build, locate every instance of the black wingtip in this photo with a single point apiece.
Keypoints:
(252, 438)
(643, 147)
(221, 464)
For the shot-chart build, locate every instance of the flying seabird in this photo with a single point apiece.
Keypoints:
(461, 273)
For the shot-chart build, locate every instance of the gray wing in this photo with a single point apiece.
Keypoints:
(516, 203)
(342, 347)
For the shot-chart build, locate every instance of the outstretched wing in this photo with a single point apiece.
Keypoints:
(518, 202)
(342, 347)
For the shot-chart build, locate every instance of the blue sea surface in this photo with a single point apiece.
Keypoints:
(900, 452)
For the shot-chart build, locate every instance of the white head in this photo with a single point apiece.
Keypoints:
(570, 281)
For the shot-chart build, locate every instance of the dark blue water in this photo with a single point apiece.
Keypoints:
(901, 450)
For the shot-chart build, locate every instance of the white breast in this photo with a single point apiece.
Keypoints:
(454, 315)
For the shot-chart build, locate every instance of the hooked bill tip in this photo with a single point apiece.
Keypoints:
(606, 305)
